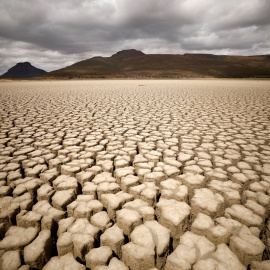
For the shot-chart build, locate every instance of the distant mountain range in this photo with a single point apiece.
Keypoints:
(136, 64)
(23, 70)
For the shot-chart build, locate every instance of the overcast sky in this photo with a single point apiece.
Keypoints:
(52, 34)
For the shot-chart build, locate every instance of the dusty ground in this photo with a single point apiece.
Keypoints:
(139, 174)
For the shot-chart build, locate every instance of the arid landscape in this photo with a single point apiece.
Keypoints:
(135, 174)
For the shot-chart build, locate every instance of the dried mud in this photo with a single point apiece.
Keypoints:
(135, 174)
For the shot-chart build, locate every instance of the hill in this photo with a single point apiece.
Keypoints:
(136, 64)
(23, 70)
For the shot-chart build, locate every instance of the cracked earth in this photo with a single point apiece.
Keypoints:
(136, 175)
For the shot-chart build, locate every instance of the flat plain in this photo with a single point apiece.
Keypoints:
(135, 174)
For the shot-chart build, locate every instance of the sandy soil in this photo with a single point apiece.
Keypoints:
(135, 174)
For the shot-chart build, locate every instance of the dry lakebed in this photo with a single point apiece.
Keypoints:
(135, 174)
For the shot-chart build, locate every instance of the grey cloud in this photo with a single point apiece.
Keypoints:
(242, 15)
(57, 33)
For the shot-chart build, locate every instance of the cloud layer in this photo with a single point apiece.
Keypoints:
(52, 34)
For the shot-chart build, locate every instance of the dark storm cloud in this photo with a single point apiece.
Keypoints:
(52, 34)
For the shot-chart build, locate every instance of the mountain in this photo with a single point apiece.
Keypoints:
(23, 70)
(136, 64)
(128, 53)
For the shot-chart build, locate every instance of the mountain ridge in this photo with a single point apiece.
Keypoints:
(136, 64)
(133, 63)
(23, 70)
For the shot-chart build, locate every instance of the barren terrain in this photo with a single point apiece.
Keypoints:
(135, 174)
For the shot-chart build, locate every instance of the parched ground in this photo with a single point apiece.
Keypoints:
(135, 174)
